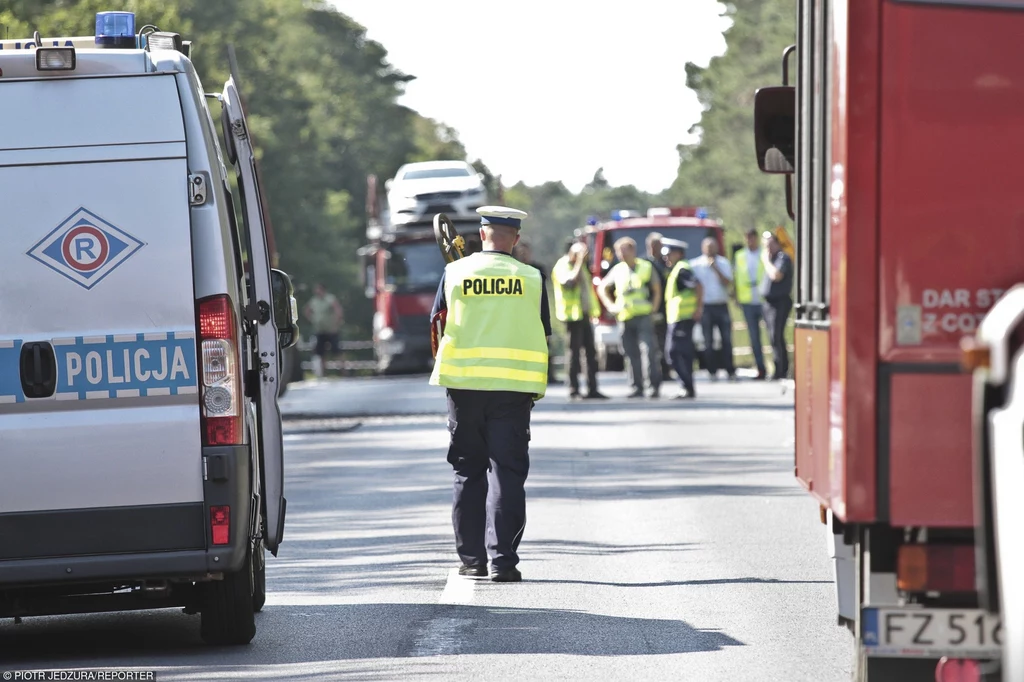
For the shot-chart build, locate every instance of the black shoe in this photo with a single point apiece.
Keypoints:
(761, 376)
(475, 571)
(636, 394)
(656, 393)
(595, 395)
(575, 395)
(685, 395)
(506, 575)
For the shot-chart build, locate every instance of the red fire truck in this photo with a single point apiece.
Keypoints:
(901, 137)
(402, 267)
(690, 224)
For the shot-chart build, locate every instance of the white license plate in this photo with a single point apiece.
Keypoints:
(909, 631)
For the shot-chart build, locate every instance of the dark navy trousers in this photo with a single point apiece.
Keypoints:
(680, 351)
(489, 451)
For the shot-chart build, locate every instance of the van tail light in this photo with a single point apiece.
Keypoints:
(220, 524)
(221, 390)
(935, 568)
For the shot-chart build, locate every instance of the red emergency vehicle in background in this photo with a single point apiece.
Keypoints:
(904, 131)
(690, 224)
(402, 267)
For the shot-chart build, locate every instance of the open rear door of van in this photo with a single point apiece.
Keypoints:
(271, 447)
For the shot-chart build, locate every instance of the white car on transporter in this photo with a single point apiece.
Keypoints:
(419, 190)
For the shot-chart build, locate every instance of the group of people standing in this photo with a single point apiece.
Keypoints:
(660, 299)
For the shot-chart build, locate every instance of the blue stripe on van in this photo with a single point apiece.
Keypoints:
(10, 372)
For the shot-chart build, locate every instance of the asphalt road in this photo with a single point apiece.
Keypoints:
(664, 541)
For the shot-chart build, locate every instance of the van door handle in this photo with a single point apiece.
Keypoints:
(38, 370)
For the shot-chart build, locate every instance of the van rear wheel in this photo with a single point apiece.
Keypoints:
(227, 613)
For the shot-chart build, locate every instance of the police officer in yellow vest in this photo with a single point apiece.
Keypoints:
(684, 305)
(492, 358)
(637, 297)
(749, 273)
(575, 304)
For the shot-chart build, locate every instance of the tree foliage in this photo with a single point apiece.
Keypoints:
(720, 170)
(323, 108)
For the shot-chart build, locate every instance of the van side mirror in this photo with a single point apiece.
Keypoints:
(286, 310)
(387, 185)
(775, 129)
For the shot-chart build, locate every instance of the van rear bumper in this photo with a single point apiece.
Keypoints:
(129, 567)
(132, 543)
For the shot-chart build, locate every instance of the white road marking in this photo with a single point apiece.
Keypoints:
(458, 590)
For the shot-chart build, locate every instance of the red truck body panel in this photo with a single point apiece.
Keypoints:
(924, 176)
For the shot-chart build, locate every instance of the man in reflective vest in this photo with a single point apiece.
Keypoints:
(637, 297)
(575, 305)
(684, 303)
(492, 358)
(749, 273)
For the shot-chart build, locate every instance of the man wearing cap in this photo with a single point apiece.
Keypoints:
(575, 305)
(637, 298)
(684, 304)
(492, 358)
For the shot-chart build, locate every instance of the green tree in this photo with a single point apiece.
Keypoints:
(720, 170)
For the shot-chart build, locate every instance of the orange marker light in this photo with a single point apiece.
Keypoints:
(912, 568)
(973, 354)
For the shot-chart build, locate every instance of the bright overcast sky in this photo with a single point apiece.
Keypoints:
(554, 89)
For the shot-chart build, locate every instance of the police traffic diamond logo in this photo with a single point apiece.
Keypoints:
(85, 248)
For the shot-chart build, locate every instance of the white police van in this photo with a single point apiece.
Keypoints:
(141, 462)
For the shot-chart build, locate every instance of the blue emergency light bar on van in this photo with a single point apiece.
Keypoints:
(115, 30)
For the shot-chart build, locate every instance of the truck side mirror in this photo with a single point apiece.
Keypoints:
(775, 129)
(286, 311)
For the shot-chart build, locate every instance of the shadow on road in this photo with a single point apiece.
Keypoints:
(681, 583)
(307, 642)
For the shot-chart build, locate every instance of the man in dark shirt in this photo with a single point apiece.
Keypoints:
(654, 246)
(776, 292)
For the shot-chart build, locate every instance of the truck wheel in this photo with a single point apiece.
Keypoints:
(259, 578)
(227, 615)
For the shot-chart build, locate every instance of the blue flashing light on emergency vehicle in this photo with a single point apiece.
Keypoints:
(115, 30)
(702, 213)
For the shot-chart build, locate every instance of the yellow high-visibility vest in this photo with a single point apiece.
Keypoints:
(569, 300)
(744, 286)
(680, 304)
(631, 293)
(493, 338)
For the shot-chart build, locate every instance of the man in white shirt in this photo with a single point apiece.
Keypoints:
(715, 274)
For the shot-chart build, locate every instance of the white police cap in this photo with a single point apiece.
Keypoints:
(670, 244)
(501, 215)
